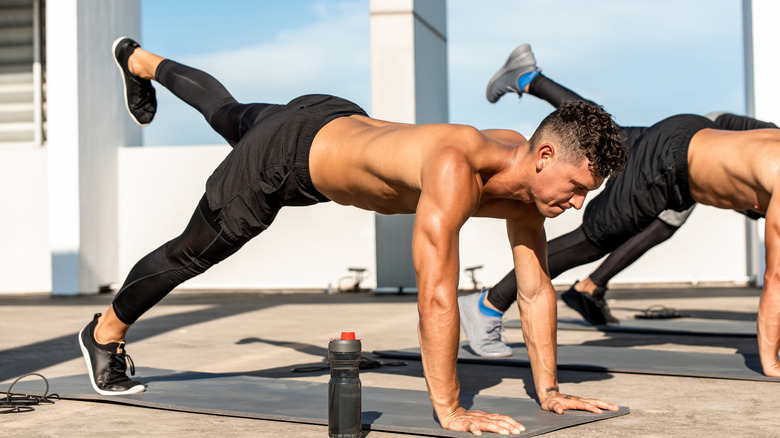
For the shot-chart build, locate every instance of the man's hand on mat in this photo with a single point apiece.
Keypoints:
(557, 402)
(476, 421)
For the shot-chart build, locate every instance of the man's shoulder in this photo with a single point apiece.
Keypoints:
(504, 135)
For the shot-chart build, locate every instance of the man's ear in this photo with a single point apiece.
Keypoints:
(544, 155)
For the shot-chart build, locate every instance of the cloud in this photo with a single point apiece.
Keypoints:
(327, 55)
(644, 60)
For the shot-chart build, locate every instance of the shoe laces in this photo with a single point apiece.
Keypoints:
(601, 303)
(145, 91)
(494, 330)
(117, 366)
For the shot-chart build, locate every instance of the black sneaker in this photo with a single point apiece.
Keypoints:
(140, 98)
(593, 308)
(107, 364)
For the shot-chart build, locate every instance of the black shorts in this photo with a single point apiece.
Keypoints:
(655, 179)
(269, 166)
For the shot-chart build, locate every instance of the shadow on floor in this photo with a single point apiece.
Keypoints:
(21, 360)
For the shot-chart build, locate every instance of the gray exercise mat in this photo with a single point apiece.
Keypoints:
(675, 326)
(622, 360)
(389, 410)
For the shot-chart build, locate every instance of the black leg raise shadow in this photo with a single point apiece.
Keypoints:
(24, 359)
(727, 315)
(742, 346)
(368, 362)
(474, 378)
(27, 358)
(746, 347)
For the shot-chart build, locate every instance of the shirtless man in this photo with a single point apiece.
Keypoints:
(728, 162)
(319, 148)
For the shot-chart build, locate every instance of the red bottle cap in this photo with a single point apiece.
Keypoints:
(347, 336)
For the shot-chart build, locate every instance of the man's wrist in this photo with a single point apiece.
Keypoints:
(445, 420)
(550, 391)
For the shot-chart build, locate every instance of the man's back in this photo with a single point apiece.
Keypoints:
(734, 169)
(379, 166)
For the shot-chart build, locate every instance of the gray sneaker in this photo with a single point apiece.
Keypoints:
(520, 62)
(483, 332)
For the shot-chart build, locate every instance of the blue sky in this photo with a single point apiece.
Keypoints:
(643, 60)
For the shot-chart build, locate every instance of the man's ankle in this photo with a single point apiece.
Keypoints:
(134, 66)
(487, 308)
(104, 336)
(585, 286)
(143, 64)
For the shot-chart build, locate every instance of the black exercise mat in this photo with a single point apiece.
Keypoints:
(660, 326)
(622, 360)
(389, 410)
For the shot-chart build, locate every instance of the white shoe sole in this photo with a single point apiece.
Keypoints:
(124, 85)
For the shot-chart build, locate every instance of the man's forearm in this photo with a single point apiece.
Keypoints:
(539, 320)
(438, 331)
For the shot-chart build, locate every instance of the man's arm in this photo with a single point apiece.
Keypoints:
(450, 194)
(538, 314)
(769, 304)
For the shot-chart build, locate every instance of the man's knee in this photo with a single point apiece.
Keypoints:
(201, 245)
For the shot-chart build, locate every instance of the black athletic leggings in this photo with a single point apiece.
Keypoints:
(203, 243)
(573, 249)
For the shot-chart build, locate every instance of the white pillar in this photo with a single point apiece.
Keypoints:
(409, 85)
(762, 92)
(86, 123)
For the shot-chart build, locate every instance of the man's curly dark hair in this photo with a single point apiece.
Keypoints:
(583, 128)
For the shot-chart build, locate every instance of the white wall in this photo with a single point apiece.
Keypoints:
(762, 94)
(87, 123)
(62, 147)
(25, 263)
(408, 85)
(709, 248)
(305, 248)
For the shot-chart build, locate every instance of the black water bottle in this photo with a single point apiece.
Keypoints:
(344, 406)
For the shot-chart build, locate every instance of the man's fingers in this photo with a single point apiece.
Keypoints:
(507, 423)
(476, 422)
(501, 427)
(592, 405)
(555, 406)
(603, 405)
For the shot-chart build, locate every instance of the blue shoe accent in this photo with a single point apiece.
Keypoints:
(485, 310)
(526, 79)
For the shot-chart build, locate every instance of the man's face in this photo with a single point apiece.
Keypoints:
(564, 185)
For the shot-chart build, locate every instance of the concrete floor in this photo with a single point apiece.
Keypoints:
(267, 334)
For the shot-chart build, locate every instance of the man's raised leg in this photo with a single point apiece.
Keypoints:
(137, 70)
(198, 89)
(595, 284)
(202, 244)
